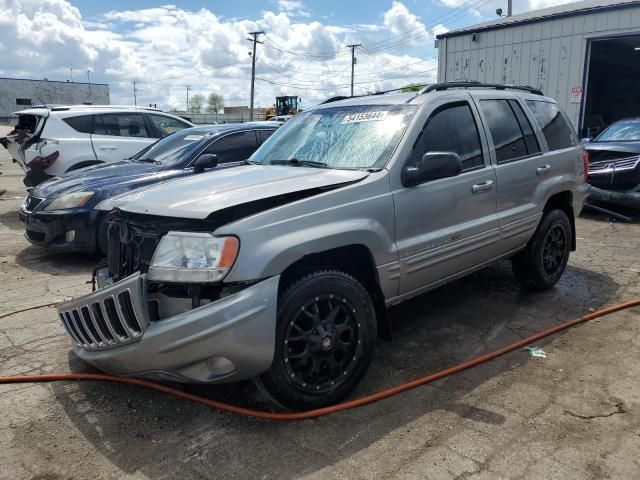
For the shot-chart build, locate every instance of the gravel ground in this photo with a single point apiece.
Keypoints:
(573, 415)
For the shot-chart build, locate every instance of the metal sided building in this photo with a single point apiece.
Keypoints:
(585, 54)
(20, 93)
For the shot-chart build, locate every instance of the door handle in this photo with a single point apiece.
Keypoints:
(107, 148)
(543, 169)
(482, 186)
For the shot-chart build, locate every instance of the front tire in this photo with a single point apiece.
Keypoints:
(541, 264)
(325, 338)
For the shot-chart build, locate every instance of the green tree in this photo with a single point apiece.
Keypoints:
(215, 102)
(196, 103)
(413, 87)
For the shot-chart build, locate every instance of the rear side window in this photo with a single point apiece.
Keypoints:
(553, 124)
(263, 135)
(452, 129)
(80, 124)
(508, 136)
(529, 137)
(120, 125)
(234, 147)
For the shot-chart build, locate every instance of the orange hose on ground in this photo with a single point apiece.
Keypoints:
(333, 408)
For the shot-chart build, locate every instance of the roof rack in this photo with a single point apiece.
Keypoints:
(476, 84)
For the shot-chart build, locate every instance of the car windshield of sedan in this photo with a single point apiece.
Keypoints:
(172, 148)
(622, 131)
(350, 137)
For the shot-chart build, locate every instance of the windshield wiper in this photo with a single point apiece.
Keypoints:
(300, 163)
(147, 160)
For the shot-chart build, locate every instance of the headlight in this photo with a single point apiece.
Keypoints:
(193, 257)
(70, 200)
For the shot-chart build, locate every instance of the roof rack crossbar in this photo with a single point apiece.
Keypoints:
(476, 84)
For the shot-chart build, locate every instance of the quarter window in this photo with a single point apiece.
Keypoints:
(555, 128)
(452, 129)
(80, 124)
(234, 147)
(166, 125)
(508, 137)
(120, 125)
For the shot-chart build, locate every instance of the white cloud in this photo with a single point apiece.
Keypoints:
(167, 48)
(399, 20)
(293, 8)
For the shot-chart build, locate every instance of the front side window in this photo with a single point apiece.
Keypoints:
(263, 135)
(508, 139)
(622, 131)
(174, 148)
(167, 125)
(234, 147)
(553, 124)
(452, 129)
(347, 137)
(120, 125)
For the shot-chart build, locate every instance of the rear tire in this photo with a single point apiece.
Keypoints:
(541, 264)
(325, 339)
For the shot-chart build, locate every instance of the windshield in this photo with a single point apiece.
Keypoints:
(341, 137)
(623, 131)
(173, 148)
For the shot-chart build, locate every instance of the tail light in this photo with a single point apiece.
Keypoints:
(585, 164)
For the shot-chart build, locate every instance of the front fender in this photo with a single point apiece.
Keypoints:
(358, 214)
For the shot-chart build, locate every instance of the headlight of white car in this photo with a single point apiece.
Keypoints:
(70, 200)
(193, 257)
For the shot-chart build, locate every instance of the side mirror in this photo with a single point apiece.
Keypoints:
(585, 140)
(432, 166)
(208, 160)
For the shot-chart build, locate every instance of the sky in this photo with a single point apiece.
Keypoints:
(166, 47)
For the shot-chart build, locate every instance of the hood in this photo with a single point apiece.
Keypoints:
(100, 177)
(622, 147)
(200, 195)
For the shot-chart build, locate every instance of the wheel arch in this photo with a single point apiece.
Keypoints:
(563, 201)
(355, 260)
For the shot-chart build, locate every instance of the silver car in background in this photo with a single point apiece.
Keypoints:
(281, 270)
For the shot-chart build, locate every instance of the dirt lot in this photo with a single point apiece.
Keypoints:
(573, 415)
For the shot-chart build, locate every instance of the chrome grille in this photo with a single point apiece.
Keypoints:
(108, 318)
(612, 166)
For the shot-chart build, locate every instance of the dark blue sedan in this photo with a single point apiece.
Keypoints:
(59, 214)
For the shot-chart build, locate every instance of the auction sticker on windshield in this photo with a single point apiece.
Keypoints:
(365, 117)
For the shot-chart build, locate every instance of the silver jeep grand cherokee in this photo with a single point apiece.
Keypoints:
(281, 270)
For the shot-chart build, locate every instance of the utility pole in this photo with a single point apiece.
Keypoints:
(135, 99)
(71, 74)
(255, 41)
(509, 8)
(188, 88)
(353, 61)
(89, 82)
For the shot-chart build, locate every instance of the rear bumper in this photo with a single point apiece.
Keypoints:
(51, 230)
(629, 199)
(226, 340)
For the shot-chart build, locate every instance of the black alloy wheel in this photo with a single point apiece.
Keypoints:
(554, 248)
(325, 338)
(322, 343)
